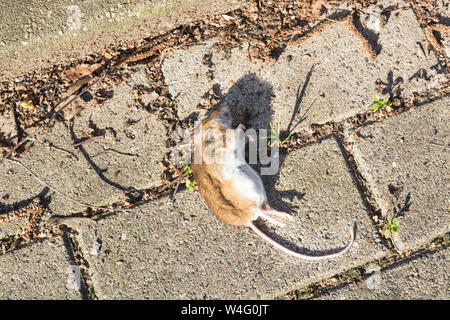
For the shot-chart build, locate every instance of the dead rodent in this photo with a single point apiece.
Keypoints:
(229, 185)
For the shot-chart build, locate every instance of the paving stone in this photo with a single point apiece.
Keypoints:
(405, 160)
(425, 277)
(98, 172)
(182, 250)
(39, 271)
(72, 30)
(341, 83)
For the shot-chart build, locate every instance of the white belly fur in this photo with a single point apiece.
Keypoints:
(246, 180)
(248, 183)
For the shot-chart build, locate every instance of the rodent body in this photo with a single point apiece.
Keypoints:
(232, 189)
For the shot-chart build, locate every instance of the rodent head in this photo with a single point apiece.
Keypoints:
(221, 116)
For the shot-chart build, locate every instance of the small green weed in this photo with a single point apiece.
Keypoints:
(392, 226)
(378, 103)
(277, 135)
(190, 184)
(187, 169)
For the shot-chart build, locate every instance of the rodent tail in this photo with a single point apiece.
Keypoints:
(299, 255)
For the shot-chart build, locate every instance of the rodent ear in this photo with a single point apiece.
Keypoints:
(226, 112)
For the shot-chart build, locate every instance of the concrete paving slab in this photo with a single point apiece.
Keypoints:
(405, 160)
(39, 271)
(35, 34)
(182, 250)
(332, 67)
(425, 277)
(97, 172)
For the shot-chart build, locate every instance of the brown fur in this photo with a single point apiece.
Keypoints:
(219, 194)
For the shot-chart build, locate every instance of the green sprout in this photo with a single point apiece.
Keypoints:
(378, 103)
(190, 184)
(392, 225)
(277, 135)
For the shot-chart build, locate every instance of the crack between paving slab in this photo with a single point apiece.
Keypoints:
(319, 132)
(192, 34)
(172, 122)
(148, 52)
(366, 193)
(32, 210)
(431, 23)
(76, 258)
(364, 181)
(298, 140)
(359, 274)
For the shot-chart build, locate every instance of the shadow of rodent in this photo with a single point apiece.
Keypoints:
(250, 101)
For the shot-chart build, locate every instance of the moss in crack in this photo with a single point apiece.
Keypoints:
(361, 273)
(87, 290)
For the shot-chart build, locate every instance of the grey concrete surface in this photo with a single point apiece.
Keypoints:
(405, 160)
(35, 34)
(425, 278)
(98, 172)
(39, 271)
(342, 80)
(181, 250)
(15, 226)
